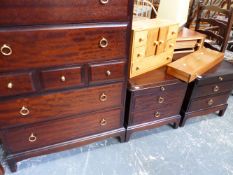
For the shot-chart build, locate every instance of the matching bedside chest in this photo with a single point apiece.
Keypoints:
(154, 99)
(63, 74)
(208, 93)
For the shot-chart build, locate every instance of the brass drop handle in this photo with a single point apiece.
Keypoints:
(103, 97)
(108, 73)
(63, 78)
(220, 78)
(157, 115)
(161, 42)
(161, 100)
(162, 88)
(103, 122)
(24, 111)
(156, 43)
(10, 85)
(104, 1)
(103, 43)
(210, 102)
(32, 138)
(216, 88)
(6, 50)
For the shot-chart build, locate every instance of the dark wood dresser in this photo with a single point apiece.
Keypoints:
(63, 74)
(154, 99)
(209, 93)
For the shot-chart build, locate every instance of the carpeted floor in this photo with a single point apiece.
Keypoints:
(203, 147)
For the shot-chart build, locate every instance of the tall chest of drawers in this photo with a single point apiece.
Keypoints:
(63, 74)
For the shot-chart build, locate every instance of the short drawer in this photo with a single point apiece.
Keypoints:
(149, 115)
(173, 32)
(210, 89)
(170, 45)
(107, 71)
(45, 134)
(56, 105)
(138, 53)
(16, 12)
(61, 78)
(48, 47)
(208, 102)
(140, 38)
(15, 84)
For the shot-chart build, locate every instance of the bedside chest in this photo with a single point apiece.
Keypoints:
(209, 93)
(153, 99)
(63, 74)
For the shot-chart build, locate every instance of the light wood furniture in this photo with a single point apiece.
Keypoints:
(152, 44)
(194, 65)
(63, 74)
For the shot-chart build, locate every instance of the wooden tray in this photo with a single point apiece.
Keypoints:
(195, 64)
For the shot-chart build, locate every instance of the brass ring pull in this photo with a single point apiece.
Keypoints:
(103, 43)
(220, 78)
(10, 85)
(24, 111)
(157, 115)
(161, 100)
(108, 73)
(162, 88)
(103, 122)
(104, 1)
(210, 102)
(63, 78)
(6, 50)
(32, 138)
(216, 88)
(103, 97)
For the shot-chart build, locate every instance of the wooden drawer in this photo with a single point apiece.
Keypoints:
(170, 45)
(56, 105)
(152, 42)
(163, 32)
(210, 89)
(160, 98)
(138, 53)
(45, 134)
(15, 12)
(15, 84)
(204, 102)
(53, 47)
(140, 38)
(173, 32)
(156, 114)
(107, 71)
(61, 78)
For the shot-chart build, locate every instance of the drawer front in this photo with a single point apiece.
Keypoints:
(204, 102)
(57, 105)
(156, 114)
(138, 53)
(152, 42)
(61, 78)
(27, 138)
(210, 89)
(163, 31)
(16, 84)
(107, 71)
(170, 45)
(173, 32)
(140, 38)
(53, 47)
(15, 12)
(214, 79)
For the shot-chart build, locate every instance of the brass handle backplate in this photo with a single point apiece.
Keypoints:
(24, 111)
(157, 115)
(161, 100)
(108, 73)
(103, 43)
(6, 50)
(104, 1)
(63, 78)
(210, 102)
(216, 88)
(103, 97)
(103, 122)
(10, 85)
(32, 138)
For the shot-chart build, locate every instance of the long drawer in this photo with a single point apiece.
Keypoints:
(45, 47)
(31, 137)
(27, 12)
(56, 105)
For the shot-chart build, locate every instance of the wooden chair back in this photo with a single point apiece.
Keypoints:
(216, 25)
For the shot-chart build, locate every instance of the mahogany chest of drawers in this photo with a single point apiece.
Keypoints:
(63, 74)
(154, 99)
(209, 93)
